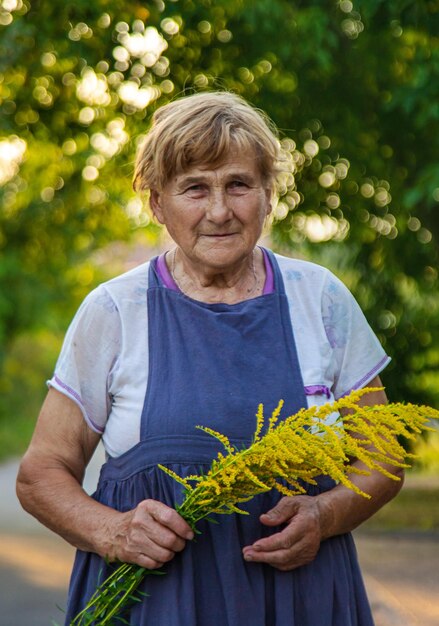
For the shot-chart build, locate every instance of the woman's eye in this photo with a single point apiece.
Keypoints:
(195, 188)
(238, 184)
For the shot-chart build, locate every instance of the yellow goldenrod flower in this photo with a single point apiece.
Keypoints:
(291, 452)
(259, 422)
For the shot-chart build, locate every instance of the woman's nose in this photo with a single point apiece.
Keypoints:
(218, 210)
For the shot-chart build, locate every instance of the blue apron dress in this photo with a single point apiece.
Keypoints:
(212, 364)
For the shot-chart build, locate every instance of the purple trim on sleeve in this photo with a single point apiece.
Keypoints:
(71, 391)
(368, 377)
(78, 399)
(168, 281)
(311, 390)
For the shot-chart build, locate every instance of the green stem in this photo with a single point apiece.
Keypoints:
(112, 592)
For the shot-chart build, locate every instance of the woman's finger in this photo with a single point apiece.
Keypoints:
(167, 517)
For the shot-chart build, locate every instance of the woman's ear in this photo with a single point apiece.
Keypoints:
(269, 197)
(155, 202)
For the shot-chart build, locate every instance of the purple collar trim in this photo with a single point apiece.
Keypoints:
(166, 276)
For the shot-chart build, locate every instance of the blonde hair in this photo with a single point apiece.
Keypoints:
(201, 129)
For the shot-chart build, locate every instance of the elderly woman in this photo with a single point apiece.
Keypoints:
(201, 335)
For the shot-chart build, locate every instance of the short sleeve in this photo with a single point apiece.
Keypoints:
(89, 356)
(357, 354)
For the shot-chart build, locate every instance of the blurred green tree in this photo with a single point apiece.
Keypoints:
(353, 86)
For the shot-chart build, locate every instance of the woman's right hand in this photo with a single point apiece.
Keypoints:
(149, 535)
(49, 487)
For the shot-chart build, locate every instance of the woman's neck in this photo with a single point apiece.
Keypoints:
(244, 281)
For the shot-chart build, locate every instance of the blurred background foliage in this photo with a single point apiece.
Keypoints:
(353, 87)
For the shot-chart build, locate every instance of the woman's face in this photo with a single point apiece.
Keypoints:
(215, 214)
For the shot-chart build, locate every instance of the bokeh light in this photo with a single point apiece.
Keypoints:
(12, 152)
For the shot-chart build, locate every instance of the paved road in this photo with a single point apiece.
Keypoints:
(35, 564)
(401, 570)
(402, 578)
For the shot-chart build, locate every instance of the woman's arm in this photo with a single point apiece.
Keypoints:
(342, 509)
(49, 487)
(310, 520)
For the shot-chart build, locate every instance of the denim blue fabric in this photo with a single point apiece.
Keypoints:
(212, 364)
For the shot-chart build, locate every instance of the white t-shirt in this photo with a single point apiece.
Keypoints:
(103, 365)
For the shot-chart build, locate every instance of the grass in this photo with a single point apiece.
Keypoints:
(415, 508)
(29, 364)
(14, 441)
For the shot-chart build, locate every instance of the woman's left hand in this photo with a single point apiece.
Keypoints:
(309, 520)
(295, 545)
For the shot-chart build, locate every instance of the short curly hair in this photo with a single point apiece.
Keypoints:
(202, 129)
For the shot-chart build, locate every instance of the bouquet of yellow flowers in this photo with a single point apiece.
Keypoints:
(291, 452)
